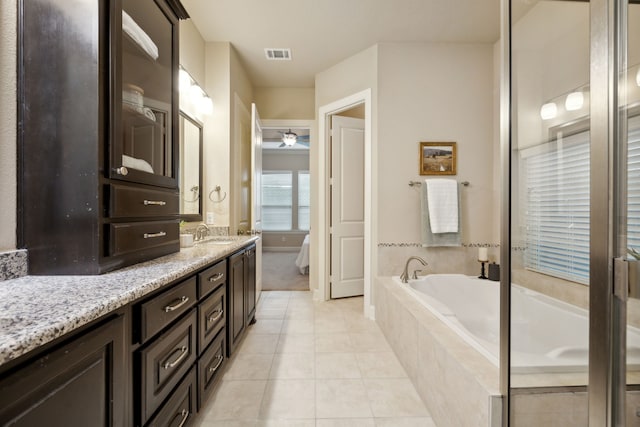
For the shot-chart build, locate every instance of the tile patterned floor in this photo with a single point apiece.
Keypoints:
(309, 364)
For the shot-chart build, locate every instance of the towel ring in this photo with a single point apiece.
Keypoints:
(220, 199)
(196, 192)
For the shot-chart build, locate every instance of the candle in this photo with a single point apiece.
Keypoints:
(482, 254)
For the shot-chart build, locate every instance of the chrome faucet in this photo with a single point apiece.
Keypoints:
(404, 277)
(201, 232)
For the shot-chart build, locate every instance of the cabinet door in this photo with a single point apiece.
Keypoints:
(80, 384)
(235, 328)
(145, 135)
(250, 285)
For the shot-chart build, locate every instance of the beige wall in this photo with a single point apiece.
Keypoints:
(8, 124)
(241, 92)
(217, 130)
(192, 51)
(285, 103)
(435, 92)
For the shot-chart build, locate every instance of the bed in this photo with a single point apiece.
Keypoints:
(302, 261)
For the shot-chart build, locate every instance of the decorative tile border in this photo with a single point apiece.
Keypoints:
(13, 264)
(464, 245)
(419, 245)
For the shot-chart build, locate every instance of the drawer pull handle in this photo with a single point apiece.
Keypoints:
(152, 235)
(178, 303)
(183, 353)
(154, 203)
(216, 277)
(220, 358)
(218, 315)
(184, 414)
(122, 171)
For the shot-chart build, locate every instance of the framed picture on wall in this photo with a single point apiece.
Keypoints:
(437, 158)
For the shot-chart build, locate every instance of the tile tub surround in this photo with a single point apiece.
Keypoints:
(35, 310)
(462, 260)
(13, 264)
(459, 386)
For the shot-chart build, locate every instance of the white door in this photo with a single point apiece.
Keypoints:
(256, 190)
(347, 207)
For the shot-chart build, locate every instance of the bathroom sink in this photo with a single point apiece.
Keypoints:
(221, 242)
(216, 241)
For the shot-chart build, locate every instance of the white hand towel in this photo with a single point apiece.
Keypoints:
(442, 196)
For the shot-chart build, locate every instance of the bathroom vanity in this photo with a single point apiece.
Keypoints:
(142, 346)
(98, 133)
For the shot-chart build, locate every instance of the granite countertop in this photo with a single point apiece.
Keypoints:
(35, 310)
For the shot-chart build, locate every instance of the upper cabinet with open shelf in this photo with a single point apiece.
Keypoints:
(98, 137)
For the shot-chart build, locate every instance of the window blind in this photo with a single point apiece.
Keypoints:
(633, 184)
(557, 212)
(277, 201)
(304, 200)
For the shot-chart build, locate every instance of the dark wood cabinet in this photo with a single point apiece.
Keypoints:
(97, 133)
(82, 383)
(154, 362)
(250, 285)
(235, 305)
(241, 297)
(163, 363)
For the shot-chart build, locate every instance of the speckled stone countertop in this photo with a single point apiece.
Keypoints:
(35, 310)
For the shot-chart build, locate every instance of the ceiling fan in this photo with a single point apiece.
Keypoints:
(289, 139)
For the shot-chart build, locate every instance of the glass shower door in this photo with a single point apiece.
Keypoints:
(574, 213)
(550, 212)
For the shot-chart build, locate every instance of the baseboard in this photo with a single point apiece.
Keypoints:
(280, 248)
(370, 312)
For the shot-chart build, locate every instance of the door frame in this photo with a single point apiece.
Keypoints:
(323, 292)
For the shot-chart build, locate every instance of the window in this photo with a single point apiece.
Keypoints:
(304, 200)
(633, 184)
(557, 214)
(277, 201)
(558, 205)
(285, 200)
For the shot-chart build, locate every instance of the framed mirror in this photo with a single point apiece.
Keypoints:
(190, 171)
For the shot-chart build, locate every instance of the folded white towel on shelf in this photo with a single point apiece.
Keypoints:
(139, 164)
(137, 34)
(443, 205)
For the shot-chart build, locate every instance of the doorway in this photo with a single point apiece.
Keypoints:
(362, 100)
(286, 204)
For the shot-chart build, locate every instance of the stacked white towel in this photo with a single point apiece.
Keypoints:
(442, 196)
(137, 34)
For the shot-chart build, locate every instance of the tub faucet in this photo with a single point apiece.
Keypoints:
(201, 232)
(404, 277)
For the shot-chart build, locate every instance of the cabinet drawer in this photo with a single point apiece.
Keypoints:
(137, 236)
(180, 408)
(164, 362)
(210, 367)
(128, 202)
(163, 309)
(211, 278)
(211, 318)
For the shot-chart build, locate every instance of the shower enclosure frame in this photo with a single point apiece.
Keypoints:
(607, 277)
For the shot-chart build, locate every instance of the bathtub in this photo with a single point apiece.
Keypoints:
(548, 335)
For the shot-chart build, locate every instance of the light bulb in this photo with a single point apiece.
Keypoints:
(195, 93)
(205, 105)
(185, 81)
(548, 111)
(574, 101)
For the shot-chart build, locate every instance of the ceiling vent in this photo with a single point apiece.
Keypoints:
(273, 54)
